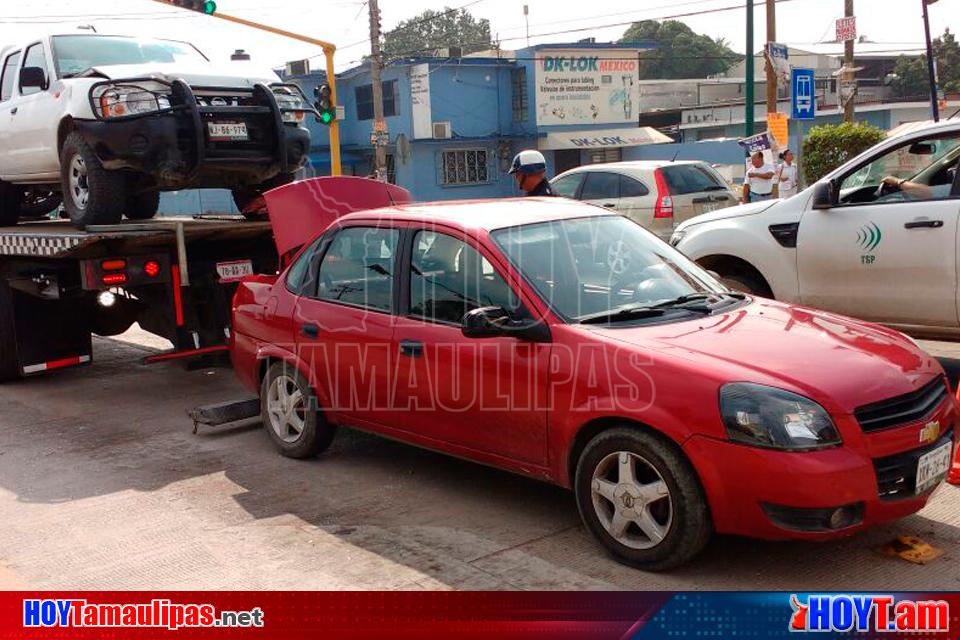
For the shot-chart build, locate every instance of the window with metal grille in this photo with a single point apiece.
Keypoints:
(464, 166)
(518, 80)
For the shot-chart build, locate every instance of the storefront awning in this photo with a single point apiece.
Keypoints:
(599, 138)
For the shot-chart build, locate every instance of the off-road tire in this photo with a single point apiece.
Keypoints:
(317, 433)
(142, 206)
(107, 190)
(691, 526)
(11, 196)
(8, 343)
(746, 283)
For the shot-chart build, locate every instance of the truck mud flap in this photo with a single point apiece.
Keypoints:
(51, 334)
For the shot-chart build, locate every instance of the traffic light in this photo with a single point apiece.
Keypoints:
(324, 105)
(203, 6)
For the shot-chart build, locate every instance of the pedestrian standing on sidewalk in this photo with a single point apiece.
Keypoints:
(758, 184)
(787, 175)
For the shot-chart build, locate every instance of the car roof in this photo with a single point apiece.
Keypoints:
(632, 165)
(485, 215)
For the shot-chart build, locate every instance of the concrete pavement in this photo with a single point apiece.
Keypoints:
(103, 486)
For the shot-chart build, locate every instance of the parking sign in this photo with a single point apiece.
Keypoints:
(804, 100)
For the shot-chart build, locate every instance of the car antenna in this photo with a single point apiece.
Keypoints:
(674, 159)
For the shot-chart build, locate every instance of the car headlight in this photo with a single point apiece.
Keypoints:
(772, 418)
(124, 100)
(677, 237)
(291, 103)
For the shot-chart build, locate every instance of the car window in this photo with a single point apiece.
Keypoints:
(35, 57)
(632, 188)
(566, 186)
(690, 178)
(357, 268)
(9, 74)
(297, 281)
(448, 278)
(928, 166)
(600, 185)
(76, 53)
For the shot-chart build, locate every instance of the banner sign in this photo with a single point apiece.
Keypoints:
(846, 29)
(760, 142)
(599, 138)
(779, 127)
(420, 101)
(779, 56)
(593, 86)
(467, 615)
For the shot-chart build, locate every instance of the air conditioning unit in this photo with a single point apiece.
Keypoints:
(298, 68)
(442, 130)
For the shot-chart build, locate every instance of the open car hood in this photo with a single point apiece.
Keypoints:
(302, 210)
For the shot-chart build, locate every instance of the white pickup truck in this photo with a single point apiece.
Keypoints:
(110, 121)
(875, 239)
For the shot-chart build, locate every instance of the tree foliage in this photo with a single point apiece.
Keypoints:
(911, 76)
(680, 52)
(437, 30)
(828, 146)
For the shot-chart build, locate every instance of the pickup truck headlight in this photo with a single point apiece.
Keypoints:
(772, 418)
(291, 103)
(118, 100)
(677, 237)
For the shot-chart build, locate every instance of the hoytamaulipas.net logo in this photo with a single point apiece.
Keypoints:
(868, 613)
(159, 612)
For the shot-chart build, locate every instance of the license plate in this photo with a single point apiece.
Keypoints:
(933, 467)
(233, 271)
(228, 130)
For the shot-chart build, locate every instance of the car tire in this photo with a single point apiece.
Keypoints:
(627, 477)
(746, 283)
(91, 194)
(39, 204)
(11, 197)
(291, 415)
(142, 206)
(243, 197)
(9, 369)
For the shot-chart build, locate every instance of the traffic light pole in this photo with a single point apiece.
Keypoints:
(328, 51)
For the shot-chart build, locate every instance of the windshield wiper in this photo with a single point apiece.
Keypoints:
(683, 302)
(626, 313)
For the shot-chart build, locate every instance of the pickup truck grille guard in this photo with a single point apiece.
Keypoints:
(183, 99)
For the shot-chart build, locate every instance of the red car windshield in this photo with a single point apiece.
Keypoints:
(589, 266)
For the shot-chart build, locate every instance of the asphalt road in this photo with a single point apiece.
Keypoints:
(103, 486)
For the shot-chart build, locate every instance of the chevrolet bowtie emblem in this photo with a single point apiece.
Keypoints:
(930, 432)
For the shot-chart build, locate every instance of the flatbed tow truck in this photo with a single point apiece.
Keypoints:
(175, 276)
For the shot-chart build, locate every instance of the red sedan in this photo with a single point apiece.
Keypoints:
(552, 339)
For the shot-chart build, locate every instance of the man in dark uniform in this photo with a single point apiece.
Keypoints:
(530, 170)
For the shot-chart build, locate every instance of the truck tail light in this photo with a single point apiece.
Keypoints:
(664, 206)
(114, 279)
(151, 268)
(118, 264)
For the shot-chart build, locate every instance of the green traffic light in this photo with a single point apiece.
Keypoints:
(209, 7)
(326, 117)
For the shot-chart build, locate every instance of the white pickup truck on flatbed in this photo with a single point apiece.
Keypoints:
(111, 121)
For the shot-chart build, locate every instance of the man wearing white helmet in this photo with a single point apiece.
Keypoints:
(530, 170)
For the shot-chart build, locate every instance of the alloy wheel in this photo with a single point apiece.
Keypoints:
(286, 408)
(631, 500)
(79, 187)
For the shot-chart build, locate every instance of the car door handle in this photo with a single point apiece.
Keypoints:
(14, 110)
(310, 330)
(411, 348)
(924, 224)
(609, 205)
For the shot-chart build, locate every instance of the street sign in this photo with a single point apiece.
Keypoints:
(846, 29)
(803, 100)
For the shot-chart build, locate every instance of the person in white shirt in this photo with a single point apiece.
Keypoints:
(787, 175)
(758, 184)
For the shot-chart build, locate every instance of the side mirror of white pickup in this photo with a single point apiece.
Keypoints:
(824, 195)
(33, 77)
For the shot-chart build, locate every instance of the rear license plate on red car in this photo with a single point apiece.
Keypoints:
(232, 131)
(234, 271)
(933, 467)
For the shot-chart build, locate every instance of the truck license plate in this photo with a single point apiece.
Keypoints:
(234, 271)
(933, 467)
(228, 130)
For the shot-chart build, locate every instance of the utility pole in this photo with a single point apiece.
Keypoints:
(376, 66)
(748, 103)
(931, 63)
(771, 71)
(848, 72)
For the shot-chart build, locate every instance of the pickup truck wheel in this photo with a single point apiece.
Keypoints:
(8, 344)
(639, 496)
(38, 203)
(142, 206)
(746, 283)
(91, 194)
(11, 196)
(291, 415)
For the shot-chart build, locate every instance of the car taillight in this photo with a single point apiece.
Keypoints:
(114, 279)
(151, 268)
(114, 265)
(664, 207)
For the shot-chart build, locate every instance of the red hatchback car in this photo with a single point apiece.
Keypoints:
(553, 339)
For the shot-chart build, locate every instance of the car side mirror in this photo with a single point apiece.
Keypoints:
(494, 322)
(824, 195)
(33, 77)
